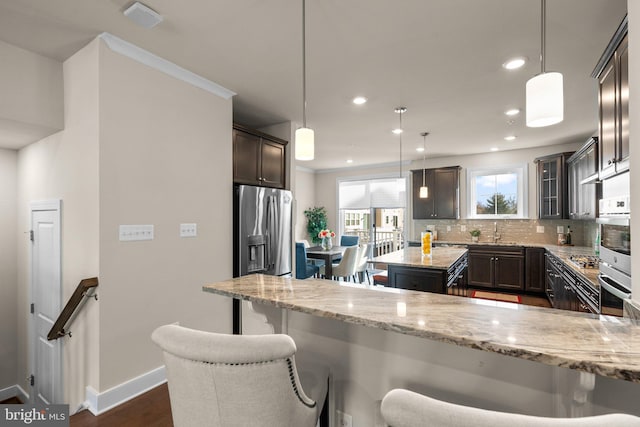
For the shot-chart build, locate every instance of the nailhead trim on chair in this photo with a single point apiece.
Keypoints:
(289, 367)
(295, 388)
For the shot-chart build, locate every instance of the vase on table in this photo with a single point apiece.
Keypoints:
(326, 243)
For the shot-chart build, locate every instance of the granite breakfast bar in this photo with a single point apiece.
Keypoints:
(533, 360)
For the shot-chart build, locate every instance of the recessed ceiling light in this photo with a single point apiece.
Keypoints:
(397, 131)
(420, 149)
(512, 112)
(494, 148)
(349, 161)
(359, 100)
(514, 63)
(509, 138)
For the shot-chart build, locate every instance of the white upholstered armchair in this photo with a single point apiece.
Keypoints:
(237, 380)
(404, 408)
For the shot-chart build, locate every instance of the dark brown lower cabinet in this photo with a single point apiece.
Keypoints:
(429, 279)
(534, 276)
(500, 267)
(417, 279)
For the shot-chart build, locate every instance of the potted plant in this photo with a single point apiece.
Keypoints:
(474, 235)
(316, 222)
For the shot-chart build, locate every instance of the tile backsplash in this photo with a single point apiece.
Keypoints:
(510, 230)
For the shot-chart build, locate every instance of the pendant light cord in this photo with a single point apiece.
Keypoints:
(402, 130)
(424, 154)
(400, 110)
(304, 65)
(543, 39)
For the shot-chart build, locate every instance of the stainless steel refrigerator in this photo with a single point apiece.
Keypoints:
(262, 230)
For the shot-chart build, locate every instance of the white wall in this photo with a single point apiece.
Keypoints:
(8, 273)
(65, 166)
(305, 196)
(326, 187)
(165, 159)
(31, 106)
(139, 147)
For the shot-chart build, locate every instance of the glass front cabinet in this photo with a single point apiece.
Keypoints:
(552, 186)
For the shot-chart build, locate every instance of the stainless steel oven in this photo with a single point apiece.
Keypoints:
(615, 245)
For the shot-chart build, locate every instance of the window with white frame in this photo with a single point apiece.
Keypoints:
(497, 192)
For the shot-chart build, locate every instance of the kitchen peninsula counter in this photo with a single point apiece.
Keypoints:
(602, 345)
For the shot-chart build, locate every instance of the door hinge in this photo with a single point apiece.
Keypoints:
(33, 308)
(31, 235)
(32, 380)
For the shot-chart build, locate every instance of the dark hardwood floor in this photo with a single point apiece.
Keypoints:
(151, 409)
(11, 401)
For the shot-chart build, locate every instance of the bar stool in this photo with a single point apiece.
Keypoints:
(404, 408)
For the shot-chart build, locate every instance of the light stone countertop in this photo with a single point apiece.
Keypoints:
(440, 259)
(564, 252)
(603, 345)
(561, 251)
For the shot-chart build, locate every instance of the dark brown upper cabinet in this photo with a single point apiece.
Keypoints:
(612, 73)
(552, 186)
(584, 186)
(258, 158)
(444, 199)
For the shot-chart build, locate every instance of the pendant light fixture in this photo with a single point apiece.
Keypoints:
(400, 111)
(545, 103)
(304, 135)
(424, 190)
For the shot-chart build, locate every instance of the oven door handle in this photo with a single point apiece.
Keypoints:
(612, 289)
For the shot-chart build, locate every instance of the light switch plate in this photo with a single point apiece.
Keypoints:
(188, 230)
(560, 229)
(448, 228)
(130, 233)
(463, 228)
(540, 229)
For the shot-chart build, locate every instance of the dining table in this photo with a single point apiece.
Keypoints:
(328, 256)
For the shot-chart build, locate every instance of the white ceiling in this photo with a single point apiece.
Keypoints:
(439, 58)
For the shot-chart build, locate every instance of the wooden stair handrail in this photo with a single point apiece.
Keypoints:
(57, 330)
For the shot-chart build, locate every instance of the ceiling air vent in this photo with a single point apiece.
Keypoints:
(143, 15)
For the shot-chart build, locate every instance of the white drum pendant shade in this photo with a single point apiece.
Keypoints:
(424, 192)
(304, 144)
(545, 100)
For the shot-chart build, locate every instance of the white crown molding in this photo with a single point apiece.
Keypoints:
(305, 169)
(100, 402)
(374, 166)
(145, 57)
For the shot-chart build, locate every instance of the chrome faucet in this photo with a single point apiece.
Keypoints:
(496, 236)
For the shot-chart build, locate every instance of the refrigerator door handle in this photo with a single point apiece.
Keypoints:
(270, 230)
(268, 234)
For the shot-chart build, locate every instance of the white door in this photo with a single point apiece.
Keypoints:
(46, 291)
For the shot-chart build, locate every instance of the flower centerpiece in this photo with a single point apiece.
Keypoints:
(326, 236)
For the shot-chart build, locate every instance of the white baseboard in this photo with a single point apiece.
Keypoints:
(14, 391)
(99, 403)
